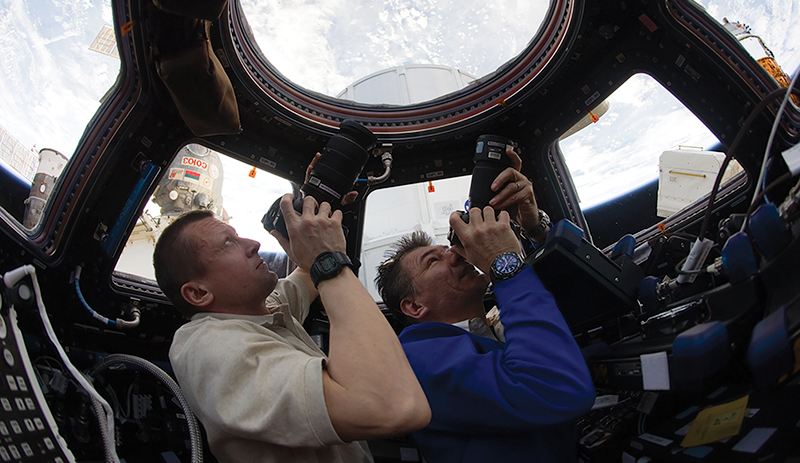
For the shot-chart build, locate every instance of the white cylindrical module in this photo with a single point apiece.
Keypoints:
(51, 164)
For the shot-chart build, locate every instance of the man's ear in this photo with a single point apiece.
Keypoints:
(196, 293)
(413, 309)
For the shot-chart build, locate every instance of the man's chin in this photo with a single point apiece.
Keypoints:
(271, 280)
(479, 279)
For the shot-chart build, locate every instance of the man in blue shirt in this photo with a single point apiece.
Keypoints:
(495, 396)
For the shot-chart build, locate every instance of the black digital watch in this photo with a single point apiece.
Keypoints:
(328, 264)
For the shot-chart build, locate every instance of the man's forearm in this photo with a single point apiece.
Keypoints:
(376, 392)
(536, 331)
(305, 277)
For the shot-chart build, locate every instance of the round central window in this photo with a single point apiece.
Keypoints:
(362, 51)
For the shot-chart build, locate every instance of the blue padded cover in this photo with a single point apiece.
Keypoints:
(700, 351)
(769, 354)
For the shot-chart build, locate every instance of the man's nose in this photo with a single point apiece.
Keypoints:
(252, 247)
(452, 257)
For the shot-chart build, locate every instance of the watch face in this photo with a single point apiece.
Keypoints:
(506, 263)
(327, 264)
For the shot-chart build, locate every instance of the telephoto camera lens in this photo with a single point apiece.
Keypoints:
(334, 174)
(490, 159)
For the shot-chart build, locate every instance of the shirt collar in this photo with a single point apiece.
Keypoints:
(477, 327)
(278, 316)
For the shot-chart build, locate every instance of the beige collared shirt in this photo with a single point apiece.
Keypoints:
(255, 383)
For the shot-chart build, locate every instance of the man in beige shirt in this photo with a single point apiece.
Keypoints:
(260, 386)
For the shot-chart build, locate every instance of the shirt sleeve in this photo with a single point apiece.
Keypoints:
(537, 377)
(246, 381)
(292, 291)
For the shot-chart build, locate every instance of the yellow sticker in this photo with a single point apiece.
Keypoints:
(715, 423)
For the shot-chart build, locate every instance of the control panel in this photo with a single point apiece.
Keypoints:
(27, 429)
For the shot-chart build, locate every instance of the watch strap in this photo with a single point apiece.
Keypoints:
(329, 264)
(544, 222)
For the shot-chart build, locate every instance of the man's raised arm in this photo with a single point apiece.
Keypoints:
(370, 389)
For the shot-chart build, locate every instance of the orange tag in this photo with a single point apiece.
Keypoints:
(126, 27)
(662, 228)
(252, 173)
(431, 189)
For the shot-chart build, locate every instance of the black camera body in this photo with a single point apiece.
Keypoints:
(333, 176)
(490, 159)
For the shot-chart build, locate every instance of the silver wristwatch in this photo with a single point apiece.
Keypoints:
(505, 266)
(544, 222)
